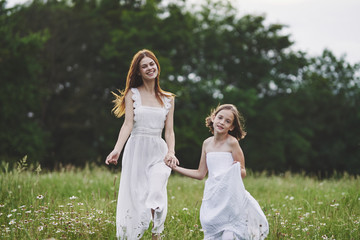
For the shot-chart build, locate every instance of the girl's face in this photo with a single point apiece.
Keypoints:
(148, 69)
(223, 121)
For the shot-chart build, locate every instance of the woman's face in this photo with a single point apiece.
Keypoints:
(148, 69)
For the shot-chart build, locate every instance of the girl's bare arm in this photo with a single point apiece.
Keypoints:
(199, 173)
(238, 156)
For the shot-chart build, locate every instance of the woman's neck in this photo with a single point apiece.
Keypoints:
(149, 86)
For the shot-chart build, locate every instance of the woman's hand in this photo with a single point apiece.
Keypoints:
(170, 160)
(112, 158)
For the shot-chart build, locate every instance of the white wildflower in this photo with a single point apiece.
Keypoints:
(40, 197)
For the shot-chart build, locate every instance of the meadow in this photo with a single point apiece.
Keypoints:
(80, 204)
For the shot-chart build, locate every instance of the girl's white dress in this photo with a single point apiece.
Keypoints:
(228, 211)
(144, 174)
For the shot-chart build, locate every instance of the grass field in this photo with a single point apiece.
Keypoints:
(81, 204)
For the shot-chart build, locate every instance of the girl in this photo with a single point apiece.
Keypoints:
(148, 109)
(227, 211)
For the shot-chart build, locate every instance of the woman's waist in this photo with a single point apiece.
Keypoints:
(144, 131)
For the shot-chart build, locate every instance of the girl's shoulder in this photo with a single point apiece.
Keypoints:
(207, 141)
(232, 141)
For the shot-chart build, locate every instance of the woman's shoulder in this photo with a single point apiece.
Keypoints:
(130, 93)
(132, 96)
(167, 94)
(133, 90)
(168, 99)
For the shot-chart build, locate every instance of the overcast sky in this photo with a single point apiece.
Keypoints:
(313, 24)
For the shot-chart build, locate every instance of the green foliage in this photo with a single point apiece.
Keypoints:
(20, 93)
(60, 60)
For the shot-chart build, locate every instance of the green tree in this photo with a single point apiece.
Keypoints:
(65, 58)
(21, 130)
(328, 99)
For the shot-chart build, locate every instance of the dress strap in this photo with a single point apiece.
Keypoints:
(136, 97)
(167, 103)
(137, 101)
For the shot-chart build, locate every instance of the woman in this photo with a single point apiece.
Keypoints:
(148, 109)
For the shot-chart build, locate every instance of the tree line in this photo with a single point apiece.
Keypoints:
(60, 60)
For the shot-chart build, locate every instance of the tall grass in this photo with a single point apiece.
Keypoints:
(81, 204)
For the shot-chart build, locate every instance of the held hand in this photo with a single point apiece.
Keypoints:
(170, 160)
(112, 158)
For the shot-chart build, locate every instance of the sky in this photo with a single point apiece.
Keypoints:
(313, 24)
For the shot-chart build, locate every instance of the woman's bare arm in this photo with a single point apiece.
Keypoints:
(125, 131)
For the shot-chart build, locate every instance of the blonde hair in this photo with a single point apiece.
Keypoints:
(134, 80)
(239, 127)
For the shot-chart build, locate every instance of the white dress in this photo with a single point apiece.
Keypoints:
(144, 174)
(228, 211)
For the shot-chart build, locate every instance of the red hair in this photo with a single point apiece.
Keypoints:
(134, 80)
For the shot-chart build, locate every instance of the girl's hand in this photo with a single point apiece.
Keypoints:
(170, 160)
(112, 158)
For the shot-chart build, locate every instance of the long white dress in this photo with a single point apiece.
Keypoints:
(228, 211)
(144, 174)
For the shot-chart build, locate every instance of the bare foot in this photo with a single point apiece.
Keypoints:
(156, 236)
